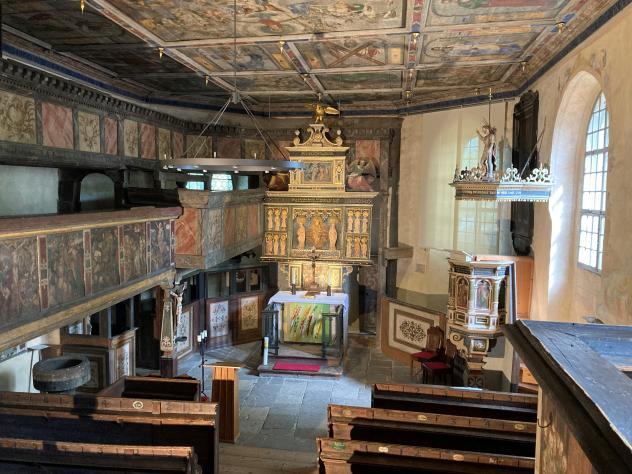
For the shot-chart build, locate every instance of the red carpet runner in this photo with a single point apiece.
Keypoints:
(296, 367)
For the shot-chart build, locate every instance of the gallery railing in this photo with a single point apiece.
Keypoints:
(56, 269)
(333, 334)
(270, 317)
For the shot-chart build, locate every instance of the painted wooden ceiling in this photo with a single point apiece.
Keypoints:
(361, 52)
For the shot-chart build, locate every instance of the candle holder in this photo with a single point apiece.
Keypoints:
(328, 290)
(293, 288)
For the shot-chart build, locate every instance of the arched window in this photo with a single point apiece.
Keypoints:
(592, 218)
(476, 221)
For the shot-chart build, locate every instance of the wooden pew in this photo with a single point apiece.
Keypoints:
(113, 421)
(484, 435)
(338, 456)
(33, 456)
(155, 388)
(456, 401)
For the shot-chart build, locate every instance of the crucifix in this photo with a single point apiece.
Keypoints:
(313, 287)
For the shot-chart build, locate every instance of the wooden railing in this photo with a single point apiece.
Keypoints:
(56, 269)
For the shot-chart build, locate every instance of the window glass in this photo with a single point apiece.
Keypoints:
(593, 194)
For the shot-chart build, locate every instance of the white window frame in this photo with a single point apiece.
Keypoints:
(592, 152)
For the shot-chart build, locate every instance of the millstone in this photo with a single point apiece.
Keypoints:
(61, 374)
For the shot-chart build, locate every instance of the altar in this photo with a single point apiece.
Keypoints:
(307, 325)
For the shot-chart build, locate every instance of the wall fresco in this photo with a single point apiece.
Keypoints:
(178, 145)
(105, 264)
(229, 147)
(254, 149)
(188, 231)
(147, 141)
(173, 21)
(134, 255)
(164, 144)
(89, 132)
(130, 138)
(57, 126)
(160, 245)
(19, 281)
(253, 221)
(229, 226)
(65, 267)
(212, 236)
(110, 130)
(17, 118)
(199, 147)
(242, 225)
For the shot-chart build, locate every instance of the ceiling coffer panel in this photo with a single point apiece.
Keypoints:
(484, 12)
(457, 47)
(354, 52)
(175, 20)
(288, 51)
(362, 80)
(469, 76)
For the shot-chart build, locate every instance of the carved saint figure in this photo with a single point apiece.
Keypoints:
(482, 295)
(365, 222)
(283, 243)
(349, 221)
(317, 231)
(333, 234)
(270, 224)
(269, 244)
(358, 222)
(488, 158)
(349, 244)
(461, 293)
(356, 246)
(364, 247)
(277, 219)
(300, 233)
(283, 219)
(276, 244)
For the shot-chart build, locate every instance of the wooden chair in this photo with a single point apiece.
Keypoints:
(440, 368)
(432, 351)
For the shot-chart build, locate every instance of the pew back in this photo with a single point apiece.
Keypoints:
(113, 421)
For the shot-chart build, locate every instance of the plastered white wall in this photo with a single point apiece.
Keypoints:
(430, 146)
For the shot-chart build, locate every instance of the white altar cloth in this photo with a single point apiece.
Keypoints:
(322, 298)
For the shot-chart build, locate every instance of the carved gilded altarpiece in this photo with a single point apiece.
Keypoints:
(316, 219)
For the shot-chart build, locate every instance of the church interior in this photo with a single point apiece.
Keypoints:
(326, 236)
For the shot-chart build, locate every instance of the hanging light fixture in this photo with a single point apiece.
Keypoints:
(234, 165)
(82, 5)
(484, 183)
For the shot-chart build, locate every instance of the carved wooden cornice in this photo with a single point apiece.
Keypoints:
(44, 86)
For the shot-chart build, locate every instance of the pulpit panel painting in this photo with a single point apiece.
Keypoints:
(303, 322)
